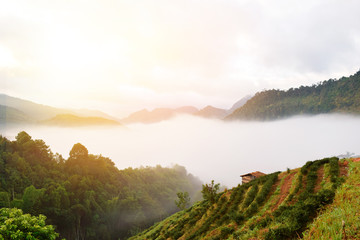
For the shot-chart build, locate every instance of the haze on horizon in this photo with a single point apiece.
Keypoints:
(210, 149)
(122, 56)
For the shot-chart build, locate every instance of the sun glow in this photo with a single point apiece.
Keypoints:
(218, 52)
(6, 57)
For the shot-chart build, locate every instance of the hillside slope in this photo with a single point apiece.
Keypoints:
(12, 115)
(342, 96)
(275, 206)
(342, 217)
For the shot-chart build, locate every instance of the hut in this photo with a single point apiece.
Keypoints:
(251, 176)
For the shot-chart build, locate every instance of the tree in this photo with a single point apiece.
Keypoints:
(4, 199)
(77, 163)
(31, 199)
(16, 225)
(78, 151)
(209, 191)
(23, 137)
(183, 201)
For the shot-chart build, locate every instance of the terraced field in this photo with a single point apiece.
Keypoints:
(276, 206)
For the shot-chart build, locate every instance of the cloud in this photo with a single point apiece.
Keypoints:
(310, 37)
(211, 149)
(220, 50)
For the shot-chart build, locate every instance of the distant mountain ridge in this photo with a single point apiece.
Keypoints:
(212, 112)
(10, 114)
(156, 115)
(16, 110)
(162, 114)
(331, 96)
(69, 120)
(341, 96)
(32, 112)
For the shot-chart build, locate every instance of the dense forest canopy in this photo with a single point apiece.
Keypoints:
(86, 196)
(341, 96)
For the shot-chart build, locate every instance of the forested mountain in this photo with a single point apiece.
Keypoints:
(341, 96)
(86, 196)
(276, 206)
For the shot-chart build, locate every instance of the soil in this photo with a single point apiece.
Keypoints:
(284, 190)
(320, 174)
(343, 168)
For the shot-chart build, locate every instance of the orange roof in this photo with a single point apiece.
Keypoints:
(255, 174)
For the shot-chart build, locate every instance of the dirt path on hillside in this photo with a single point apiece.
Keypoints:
(343, 168)
(284, 190)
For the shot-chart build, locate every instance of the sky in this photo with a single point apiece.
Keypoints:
(126, 55)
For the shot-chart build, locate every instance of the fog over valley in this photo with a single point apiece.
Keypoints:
(210, 149)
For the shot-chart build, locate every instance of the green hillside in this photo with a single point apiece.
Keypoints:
(85, 196)
(275, 206)
(341, 96)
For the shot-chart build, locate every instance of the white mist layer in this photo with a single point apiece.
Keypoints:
(211, 149)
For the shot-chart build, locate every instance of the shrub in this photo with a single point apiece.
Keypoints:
(270, 180)
(250, 196)
(225, 231)
(16, 225)
(252, 209)
(304, 168)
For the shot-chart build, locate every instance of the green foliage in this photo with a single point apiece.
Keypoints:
(342, 217)
(31, 199)
(225, 231)
(294, 218)
(86, 196)
(237, 217)
(4, 199)
(250, 196)
(265, 190)
(183, 201)
(341, 95)
(209, 191)
(252, 210)
(16, 225)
